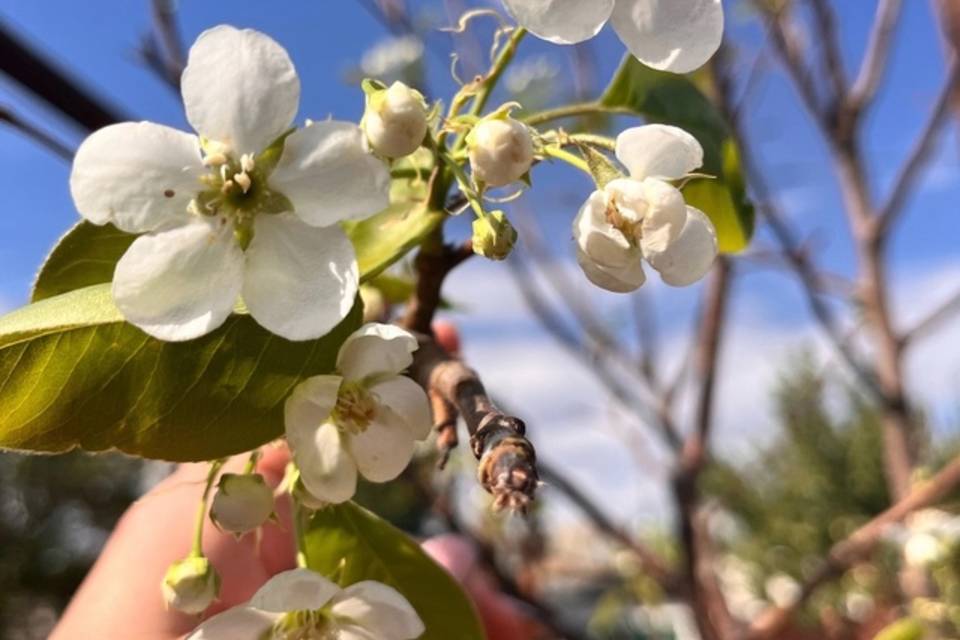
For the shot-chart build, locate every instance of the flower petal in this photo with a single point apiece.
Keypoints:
(616, 279)
(239, 88)
(181, 283)
(294, 590)
(670, 35)
(659, 151)
(561, 21)
(690, 256)
(300, 281)
(326, 468)
(380, 609)
(597, 238)
(310, 404)
(409, 401)
(238, 623)
(329, 176)
(376, 350)
(665, 217)
(138, 175)
(384, 449)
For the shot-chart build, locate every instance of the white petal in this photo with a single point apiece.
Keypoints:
(659, 151)
(326, 468)
(623, 279)
(597, 238)
(690, 256)
(239, 623)
(294, 590)
(181, 283)
(666, 215)
(376, 350)
(409, 401)
(379, 609)
(239, 88)
(384, 449)
(138, 175)
(328, 175)
(353, 632)
(670, 35)
(561, 21)
(300, 281)
(311, 403)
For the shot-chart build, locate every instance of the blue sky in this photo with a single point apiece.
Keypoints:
(96, 42)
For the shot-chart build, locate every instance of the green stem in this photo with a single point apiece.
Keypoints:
(507, 54)
(569, 158)
(252, 461)
(301, 521)
(197, 550)
(574, 110)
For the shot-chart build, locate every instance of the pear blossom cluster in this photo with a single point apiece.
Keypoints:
(246, 215)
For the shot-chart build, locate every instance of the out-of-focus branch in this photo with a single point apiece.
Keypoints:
(35, 133)
(162, 49)
(856, 547)
(829, 46)
(52, 85)
(919, 156)
(709, 605)
(875, 60)
(940, 315)
(652, 564)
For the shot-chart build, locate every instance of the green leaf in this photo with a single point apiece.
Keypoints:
(666, 98)
(87, 254)
(372, 549)
(74, 374)
(602, 169)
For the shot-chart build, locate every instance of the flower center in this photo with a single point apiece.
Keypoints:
(236, 190)
(303, 625)
(625, 219)
(356, 408)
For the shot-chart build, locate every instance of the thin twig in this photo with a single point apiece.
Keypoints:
(878, 51)
(36, 134)
(936, 318)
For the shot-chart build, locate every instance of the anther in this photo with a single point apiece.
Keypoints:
(215, 160)
(243, 180)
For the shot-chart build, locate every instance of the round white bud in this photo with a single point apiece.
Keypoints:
(395, 121)
(191, 585)
(501, 151)
(242, 502)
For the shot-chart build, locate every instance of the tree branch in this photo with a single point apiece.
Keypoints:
(856, 547)
(36, 134)
(875, 60)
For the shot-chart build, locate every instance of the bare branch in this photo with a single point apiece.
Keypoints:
(912, 169)
(829, 43)
(939, 316)
(35, 133)
(875, 60)
(858, 546)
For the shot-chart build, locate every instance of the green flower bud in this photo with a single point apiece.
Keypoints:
(395, 121)
(242, 503)
(493, 236)
(191, 585)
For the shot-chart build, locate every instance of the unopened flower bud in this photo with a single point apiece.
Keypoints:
(395, 121)
(501, 151)
(242, 502)
(191, 585)
(493, 236)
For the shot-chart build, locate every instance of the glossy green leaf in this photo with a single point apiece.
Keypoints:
(73, 374)
(667, 98)
(352, 544)
(905, 629)
(87, 254)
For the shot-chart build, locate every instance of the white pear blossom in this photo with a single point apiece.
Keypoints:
(501, 151)
(222, 216)
(645, 217)
(363, 420)
(395, 121)
(302, 605)
(191, 585)
(670, 35)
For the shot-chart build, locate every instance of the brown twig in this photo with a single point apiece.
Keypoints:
(875, 60)
(36, 134)
(938, 316)
(856, 547)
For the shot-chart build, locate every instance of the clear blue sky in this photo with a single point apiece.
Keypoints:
(96, 41)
